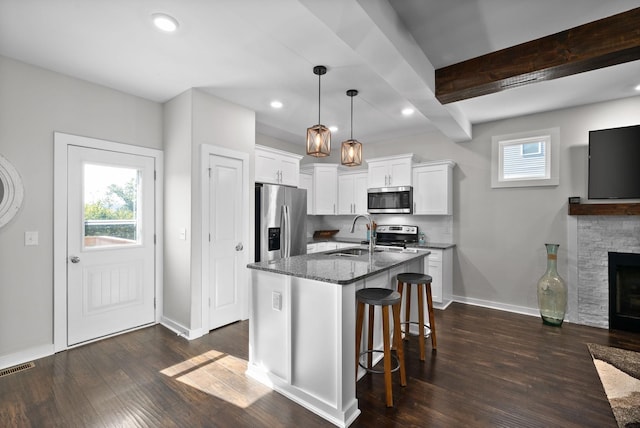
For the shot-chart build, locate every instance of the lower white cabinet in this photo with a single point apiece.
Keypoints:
(318, 247)
(439, 265)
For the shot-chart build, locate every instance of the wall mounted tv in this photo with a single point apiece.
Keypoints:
(614, 163)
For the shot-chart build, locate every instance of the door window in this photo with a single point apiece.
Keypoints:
(111, 201)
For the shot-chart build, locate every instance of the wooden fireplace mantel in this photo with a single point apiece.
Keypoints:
(605, 209)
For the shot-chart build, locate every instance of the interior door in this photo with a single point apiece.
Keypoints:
(110, 243)
(227, 243)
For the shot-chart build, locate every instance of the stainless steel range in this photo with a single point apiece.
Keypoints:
(396, 235)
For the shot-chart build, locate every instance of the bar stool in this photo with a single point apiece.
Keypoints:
(422, 281)
(383, 297)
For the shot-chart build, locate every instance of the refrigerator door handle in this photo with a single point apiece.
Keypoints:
(287, 231)
(283, 225)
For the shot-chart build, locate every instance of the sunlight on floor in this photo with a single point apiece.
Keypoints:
(220, 375)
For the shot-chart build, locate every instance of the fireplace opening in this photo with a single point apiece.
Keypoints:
(624, 291)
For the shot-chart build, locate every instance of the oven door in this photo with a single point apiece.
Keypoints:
(390, 200)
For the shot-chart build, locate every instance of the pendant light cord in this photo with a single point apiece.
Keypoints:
(352, 118)
(319, 76)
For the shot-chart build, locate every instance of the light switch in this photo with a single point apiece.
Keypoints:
(182, 234)
(31, 238)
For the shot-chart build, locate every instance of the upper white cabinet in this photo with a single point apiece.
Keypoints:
(277, 167)
(390, 171)
(324, 188)
(306, 182)
(352, 192)
(433, 188)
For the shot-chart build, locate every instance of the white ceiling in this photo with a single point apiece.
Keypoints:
(253, 51)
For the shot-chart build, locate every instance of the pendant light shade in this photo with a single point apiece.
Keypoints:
(351, 150)
(319, 136)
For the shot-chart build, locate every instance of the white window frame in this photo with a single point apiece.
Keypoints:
(550, 136)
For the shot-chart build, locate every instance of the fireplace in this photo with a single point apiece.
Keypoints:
(624, 291)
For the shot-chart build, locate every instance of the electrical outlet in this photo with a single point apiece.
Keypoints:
(276, 301)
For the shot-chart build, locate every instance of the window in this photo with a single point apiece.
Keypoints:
(525, 159)
(111, 195)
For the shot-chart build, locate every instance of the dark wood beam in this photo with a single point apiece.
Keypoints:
(603, 43)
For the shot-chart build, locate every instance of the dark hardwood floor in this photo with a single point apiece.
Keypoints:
(492, 369)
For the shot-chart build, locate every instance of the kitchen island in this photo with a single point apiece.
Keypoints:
(302, 323)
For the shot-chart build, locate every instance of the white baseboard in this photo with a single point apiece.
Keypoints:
(499, 306)
(181, 330)
(26, 355)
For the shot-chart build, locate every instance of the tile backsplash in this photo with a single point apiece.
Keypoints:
(436, 228)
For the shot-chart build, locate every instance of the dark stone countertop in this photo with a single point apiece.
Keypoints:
(326, 267)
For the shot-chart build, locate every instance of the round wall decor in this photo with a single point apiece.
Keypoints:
(11, 191)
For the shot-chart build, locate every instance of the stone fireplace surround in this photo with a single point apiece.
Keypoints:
(596, 236)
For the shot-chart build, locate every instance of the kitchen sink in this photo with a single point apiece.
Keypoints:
(351, 252)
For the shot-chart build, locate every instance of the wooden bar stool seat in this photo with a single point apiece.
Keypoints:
(383, 297)
(422, 282)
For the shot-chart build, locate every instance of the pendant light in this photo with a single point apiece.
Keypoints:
(319, 136)
(351, 150)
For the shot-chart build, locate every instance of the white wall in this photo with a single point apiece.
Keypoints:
(177, 208)
(192, 119)
(33, 104)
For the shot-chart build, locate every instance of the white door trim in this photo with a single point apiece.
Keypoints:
(61, 142)
(205, 152)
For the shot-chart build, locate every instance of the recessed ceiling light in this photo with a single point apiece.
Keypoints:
(638, 88)
(333, 128)
(276, 104)
(165, 22)
(407, 111)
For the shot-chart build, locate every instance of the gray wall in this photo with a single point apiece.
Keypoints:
(500, 233)
(33, 104)
(192, 119)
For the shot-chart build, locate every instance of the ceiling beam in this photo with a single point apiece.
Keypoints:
(603, 43)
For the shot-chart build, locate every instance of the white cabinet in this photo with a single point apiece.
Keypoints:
(390, 171)
(352, 193)
(340, 245)
(439, 265)
(306, 182)
(318, 247)
(277, 167)
(433, 188)
(324, 188)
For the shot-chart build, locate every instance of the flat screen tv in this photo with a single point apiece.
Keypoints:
(614, 163)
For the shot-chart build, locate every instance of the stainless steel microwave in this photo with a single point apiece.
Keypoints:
(390, 200)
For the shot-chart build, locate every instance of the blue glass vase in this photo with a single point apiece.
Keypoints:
(552, 290)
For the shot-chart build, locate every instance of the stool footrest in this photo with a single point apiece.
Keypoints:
(426, 327)
(394, 357)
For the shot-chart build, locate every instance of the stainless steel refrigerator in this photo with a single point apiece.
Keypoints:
(281, 222)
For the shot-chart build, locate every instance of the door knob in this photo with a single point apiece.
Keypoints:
(239, 247)
(74, 259)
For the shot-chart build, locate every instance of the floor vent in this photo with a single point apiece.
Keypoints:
(16, 369)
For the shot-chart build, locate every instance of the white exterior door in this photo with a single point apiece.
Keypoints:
(110, 243)
(228, 245)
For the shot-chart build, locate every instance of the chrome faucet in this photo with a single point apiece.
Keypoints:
(372, 235)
